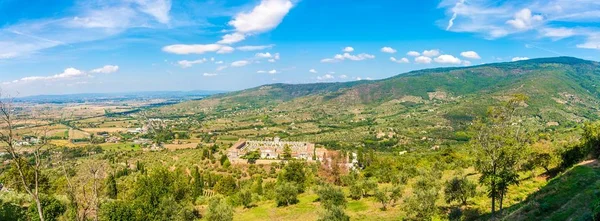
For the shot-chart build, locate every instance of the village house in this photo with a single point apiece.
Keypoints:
(274, 149)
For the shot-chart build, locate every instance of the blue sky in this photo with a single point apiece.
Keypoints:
(80, 46)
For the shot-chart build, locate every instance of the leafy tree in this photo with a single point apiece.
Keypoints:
(257, 185)
(10, 211)
(246, 198)
(335, 213)
(111, 186)
(459, 189)
(226, 186)
(425, 193)
(287, 194)
(223, 159)
(117, 211)
(252, 156)
(198, 183)
(219, 210)
(294, 172)
(356, 191)
(499, 144)
(52, 208)
(331, 196)
(287, 152)
(388, 195)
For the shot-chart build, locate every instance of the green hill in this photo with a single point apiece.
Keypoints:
(573, 195)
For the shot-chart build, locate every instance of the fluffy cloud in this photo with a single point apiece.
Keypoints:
(209, 74)
(519, 58)
(187, 64)
(107, 69)
(325, 77)
(557, 33)
(413, 54)
(273, 71)
(275, 58)
(264, 17)
(524, 20)
(447, 59)
(422, 60)
(431, 53)
(348, 49)
(470, 54)
(341, 57)
(388, 50)
(263, 55)
(312, 71)
(240, 63)
(220, 68)
(197, 48)
(400, 61)
(92, 21)
(232, 38)
(254, 47)
(67, 74)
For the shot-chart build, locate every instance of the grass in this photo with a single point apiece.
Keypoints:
(120, 147)
(569, 196)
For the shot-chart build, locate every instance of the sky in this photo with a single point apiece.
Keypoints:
(84, 46)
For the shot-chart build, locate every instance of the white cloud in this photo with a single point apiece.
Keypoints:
(232, 38)
(187, 64)
(275, 58)
(519, 58)
(220, 68)
(466, 63)
(422, 60)
(557, 33)
(263, 55)
(343, 76)
(341, 57)
(431, 53)
(159, 9)
(107, 69)
(273, 71)
(209, 74)
(524, 20)
(68, 73)
(413, 54)
(348, 49)
(218, 62)
(388, 50)
(264, 17)
(470, 54)
(255, 47)
(325, 77)
(400, 61)
(240, 63)
(447, 59)
(312, 71)
(261, 72)
(592, 42)
(225, 50)
(194, 48)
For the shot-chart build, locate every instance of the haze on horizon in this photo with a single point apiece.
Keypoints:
(87, 46)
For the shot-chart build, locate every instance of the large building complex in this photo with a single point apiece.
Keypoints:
(275, 149)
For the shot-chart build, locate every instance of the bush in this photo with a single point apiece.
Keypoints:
(52, 209)
(10, 211)
(116, 211)
(286, 194)
(219, 210)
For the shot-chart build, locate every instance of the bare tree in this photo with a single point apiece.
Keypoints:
(17, 151)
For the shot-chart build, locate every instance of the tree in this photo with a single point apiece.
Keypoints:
(459, 189)
(246, 198)
(198, 183)
(226, 186)
(219, 210)
(388, 195)
(53, 208)
(287, 152)
(499, 144)
(294, 172)
(8, 136)
(287, 194)
(331, 196)
(335, 213)
(382, 197)
(117, 211)
(425, 193)
(257, 185)
(252, 156)
(111, 186)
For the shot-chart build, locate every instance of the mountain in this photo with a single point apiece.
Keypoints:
(431, 105)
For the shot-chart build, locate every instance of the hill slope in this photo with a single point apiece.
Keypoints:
(427, 107)
(571, 196)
